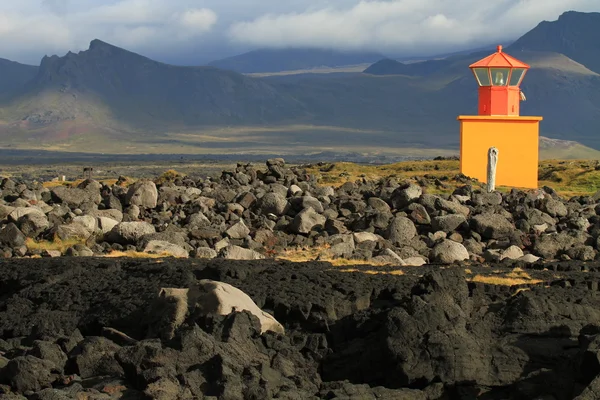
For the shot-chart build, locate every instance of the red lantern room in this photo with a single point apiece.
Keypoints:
(499, 77)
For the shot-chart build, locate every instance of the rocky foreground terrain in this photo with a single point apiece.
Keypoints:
(415, 324)
(99, 328)
(251, 214)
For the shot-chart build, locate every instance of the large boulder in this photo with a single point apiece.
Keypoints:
(143, 194)
(273, 203)
(11, 236)
(400, 231)
(448, 252)
(165, 248)
(130, 232)
(75, 197)
(306, 220)
(492, 226)
(218, 298)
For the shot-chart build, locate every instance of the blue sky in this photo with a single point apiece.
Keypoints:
(197, 31)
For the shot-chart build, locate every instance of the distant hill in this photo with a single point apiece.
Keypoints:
(277, 60)
(106, 84)
(13, 76)
(393, 67)
(574, 34)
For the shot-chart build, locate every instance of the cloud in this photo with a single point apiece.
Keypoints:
(402, 25)
(196, 31)
(29, 31)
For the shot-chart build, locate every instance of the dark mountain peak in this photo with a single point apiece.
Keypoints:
(574, 34)
(569, 16)
(99, 44)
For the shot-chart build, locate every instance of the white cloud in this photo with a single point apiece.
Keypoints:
(403, 25)
(198, 20)
(172, 30)
(29, 31)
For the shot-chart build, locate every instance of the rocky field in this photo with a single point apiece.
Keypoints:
(456, 295)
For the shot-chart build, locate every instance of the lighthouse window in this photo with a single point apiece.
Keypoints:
(500, 76)
(482, 75)
(517, 76)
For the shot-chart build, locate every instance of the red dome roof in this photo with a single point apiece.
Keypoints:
(499, 60)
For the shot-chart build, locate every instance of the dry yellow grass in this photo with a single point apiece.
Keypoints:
(52, 184)
(503, 281)
(305, 254)
(373, 272)
(56, 244)
(135, 254)
(167, 176)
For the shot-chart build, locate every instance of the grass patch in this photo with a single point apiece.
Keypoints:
(567, 177)
(75, 183)
(168, 176)
(516, 277)
(321, 253)
(135, 254)
(51, 245)
(396, 272)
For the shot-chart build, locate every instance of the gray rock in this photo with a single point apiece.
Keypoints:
(162, 247)
(550, 245)
(219, 298)
(197, 220)
(582, 253)
(29, 373)
(238, 230)
(448, 223)
(492, 226)
(130, 232)
(234, 252)
(273, 203)
(11, 236)
(554, 208)
(75, 197)
(512, 253)
(360, 237)
(448, 252)
(73, 231)
(205, 252)
(405, 195)
(106, 224)
(142, 193)
(33, 223)
(307, 220)
(401, 230)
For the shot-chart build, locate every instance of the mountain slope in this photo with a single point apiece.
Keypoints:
(276, 60)
(145, 93)
(13, 76)
(574, 34)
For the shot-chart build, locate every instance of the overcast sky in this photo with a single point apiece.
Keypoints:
(198, 31)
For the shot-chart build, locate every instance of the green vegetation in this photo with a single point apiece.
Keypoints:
(569, 178)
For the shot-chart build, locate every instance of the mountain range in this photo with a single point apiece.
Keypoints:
(108, 99)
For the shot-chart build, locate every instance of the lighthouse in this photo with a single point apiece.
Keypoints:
(499, 124)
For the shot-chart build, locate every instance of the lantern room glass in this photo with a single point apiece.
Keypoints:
(483, 76)
(500, 76)
(517, 76)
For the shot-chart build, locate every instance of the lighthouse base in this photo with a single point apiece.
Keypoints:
(517, 141)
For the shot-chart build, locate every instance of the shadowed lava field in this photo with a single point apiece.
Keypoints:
(85, 328)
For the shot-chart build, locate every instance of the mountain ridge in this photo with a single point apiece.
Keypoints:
(276, 60)
(108, 96)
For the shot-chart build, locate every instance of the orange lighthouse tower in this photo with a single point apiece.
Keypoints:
(499, 124)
